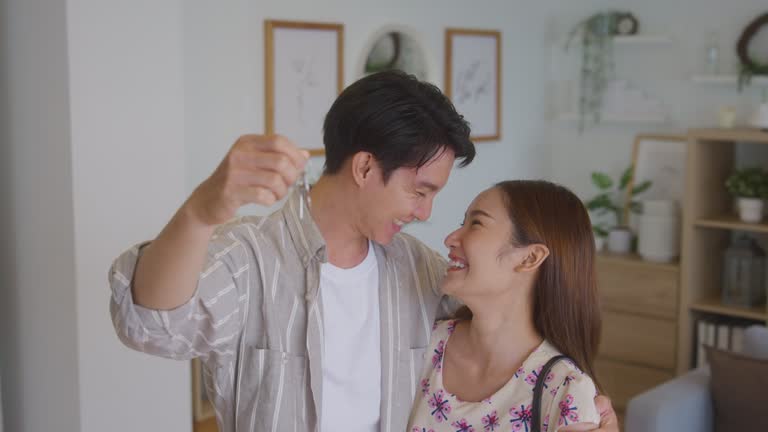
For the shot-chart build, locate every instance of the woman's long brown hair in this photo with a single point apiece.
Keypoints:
(565, 302)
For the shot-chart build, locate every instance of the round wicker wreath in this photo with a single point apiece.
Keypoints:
(750, 66)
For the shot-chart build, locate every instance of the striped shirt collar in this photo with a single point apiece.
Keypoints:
(305, 234)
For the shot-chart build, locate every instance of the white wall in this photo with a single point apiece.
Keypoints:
(38, 353)
(127, 109)
(92, 161)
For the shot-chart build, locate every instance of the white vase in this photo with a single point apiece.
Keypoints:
(658, 238)
(750, 209)
(599, 243)
(620, 240)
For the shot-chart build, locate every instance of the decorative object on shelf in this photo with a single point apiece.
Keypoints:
(304, 73)
(626, 24)
(597, 32)
(760, 117)
(744, 273)
(620, 240)
(726, 117)
(473, 79)
(658, 234)
(751, 66)
(750, 187)
(660, 158)
(599, 242)
(615, 202)
(396, 48)
(712, 54)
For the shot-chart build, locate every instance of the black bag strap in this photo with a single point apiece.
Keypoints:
(538, 389)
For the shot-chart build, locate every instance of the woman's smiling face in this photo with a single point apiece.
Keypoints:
(482, 257)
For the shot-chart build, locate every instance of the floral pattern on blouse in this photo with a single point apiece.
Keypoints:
(568, 396)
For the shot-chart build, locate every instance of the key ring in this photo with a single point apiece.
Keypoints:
(303, 185)
(304, 197)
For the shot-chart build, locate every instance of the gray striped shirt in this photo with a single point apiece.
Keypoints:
(256, 321)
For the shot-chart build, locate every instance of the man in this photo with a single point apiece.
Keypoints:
(316, 316)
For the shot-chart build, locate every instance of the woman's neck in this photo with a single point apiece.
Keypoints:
(502, 334)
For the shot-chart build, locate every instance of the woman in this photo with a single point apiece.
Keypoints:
(523, 264)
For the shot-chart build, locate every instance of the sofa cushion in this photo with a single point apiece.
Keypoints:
(738, 386)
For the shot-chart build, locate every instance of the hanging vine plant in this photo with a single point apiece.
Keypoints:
(597, 64)
(750, 66)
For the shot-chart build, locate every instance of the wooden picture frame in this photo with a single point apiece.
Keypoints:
(473, 79)
(660, 158)
(304, 73)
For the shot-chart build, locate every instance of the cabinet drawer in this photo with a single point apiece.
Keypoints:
(635, 286)
(622, 382)
(639, 339)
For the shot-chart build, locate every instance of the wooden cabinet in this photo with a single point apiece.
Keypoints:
(639, 305)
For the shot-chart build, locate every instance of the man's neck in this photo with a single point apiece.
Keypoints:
(338, 220)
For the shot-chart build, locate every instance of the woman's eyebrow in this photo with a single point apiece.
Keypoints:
(478, 212)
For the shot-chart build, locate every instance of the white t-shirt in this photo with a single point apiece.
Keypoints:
(352, 348)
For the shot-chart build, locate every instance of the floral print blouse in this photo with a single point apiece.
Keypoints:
(568, 396)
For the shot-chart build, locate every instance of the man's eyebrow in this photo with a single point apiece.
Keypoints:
(425, 184)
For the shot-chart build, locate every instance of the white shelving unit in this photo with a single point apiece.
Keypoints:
(641, 40)
(566, 114)
(609, 119)
(730, 80)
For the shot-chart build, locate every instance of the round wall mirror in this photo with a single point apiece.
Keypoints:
(395, 49)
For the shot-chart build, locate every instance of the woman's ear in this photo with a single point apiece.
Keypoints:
(533, 257)
(363, 165)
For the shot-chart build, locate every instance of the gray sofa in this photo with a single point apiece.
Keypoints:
(684, 404)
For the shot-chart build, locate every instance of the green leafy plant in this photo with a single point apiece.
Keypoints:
(611, 198)
(597, 67)
(749, 182)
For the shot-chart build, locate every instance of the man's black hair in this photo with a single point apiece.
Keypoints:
(402, 121)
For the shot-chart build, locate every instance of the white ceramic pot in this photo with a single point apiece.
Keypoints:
(750, 209)
(599, 243)
(620, 240)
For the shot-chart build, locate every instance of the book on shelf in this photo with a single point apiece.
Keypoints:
(720, 333)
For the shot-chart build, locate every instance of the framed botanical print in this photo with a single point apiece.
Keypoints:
(304, 74)
(473, 79)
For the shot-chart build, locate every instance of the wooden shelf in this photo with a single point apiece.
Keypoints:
(635, 259)
(731, 80)
(731, 222)
(715, 306)
(750, 135)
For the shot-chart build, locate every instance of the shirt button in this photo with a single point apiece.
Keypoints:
(285, 358)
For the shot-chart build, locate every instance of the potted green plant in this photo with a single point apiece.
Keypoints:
(749, 186)
(611, 200)
(597, 32)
